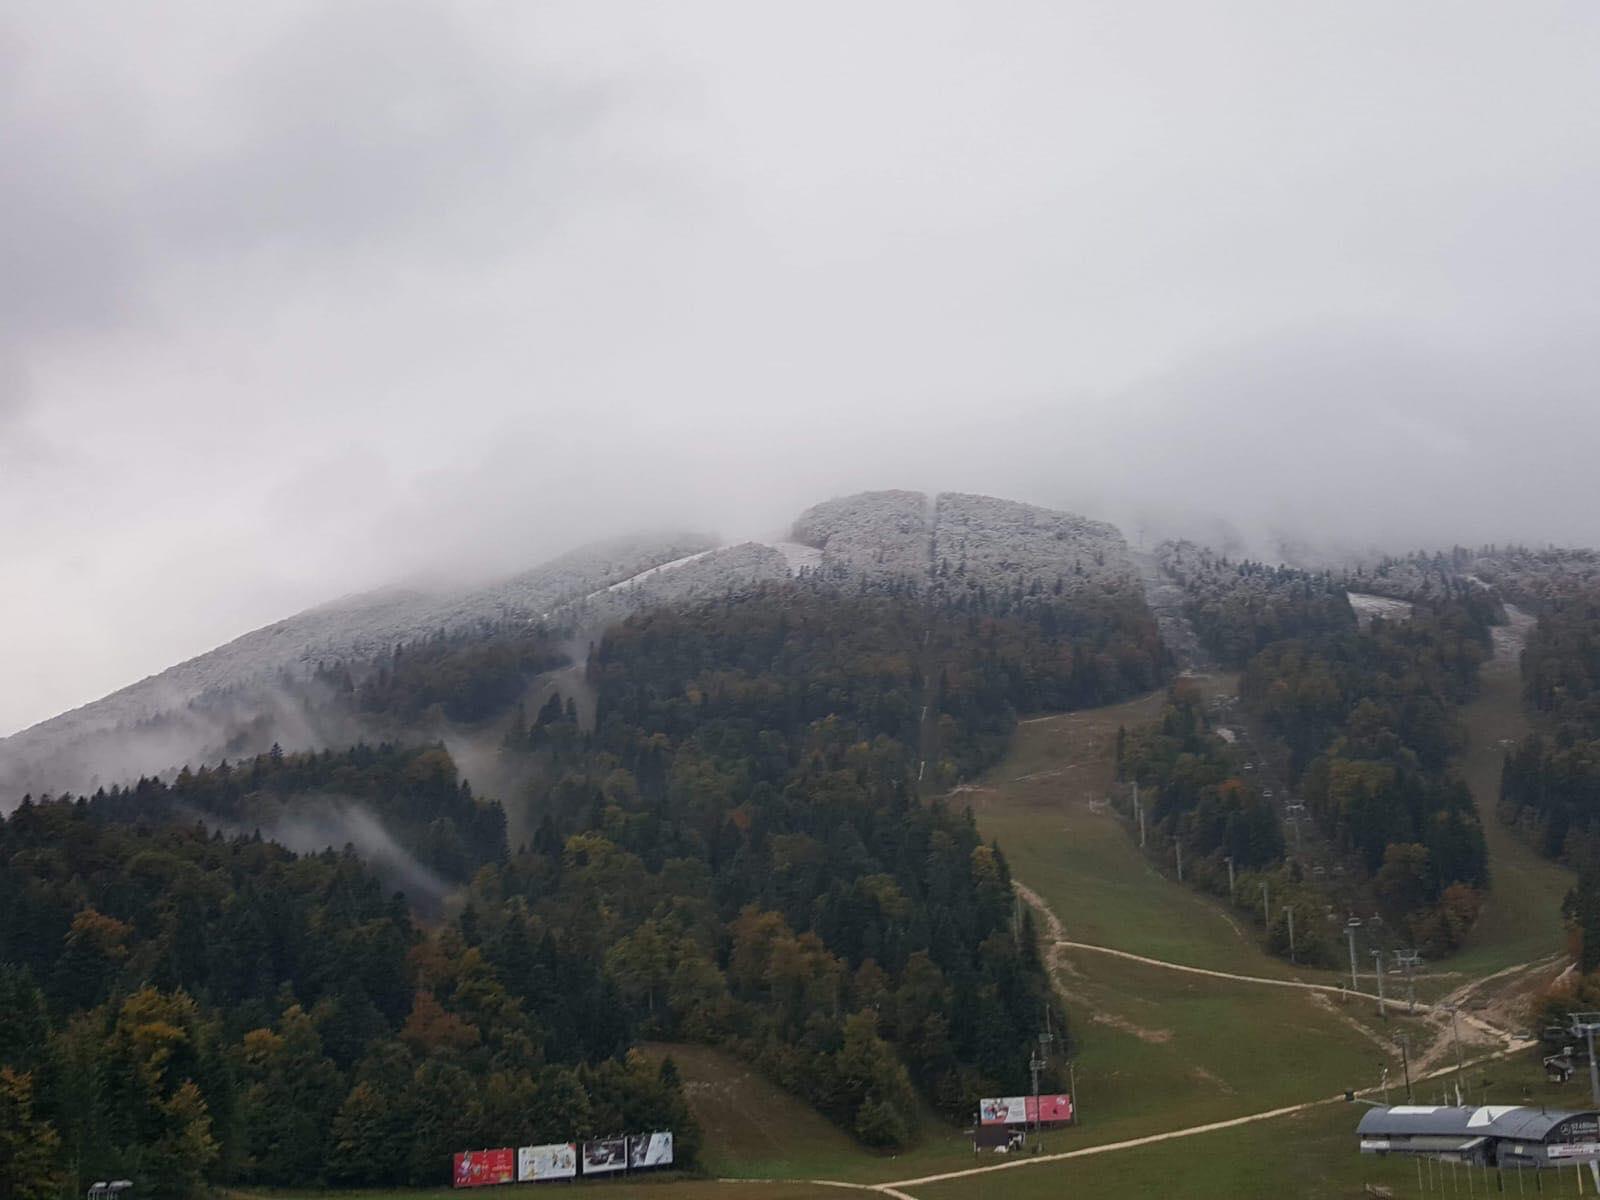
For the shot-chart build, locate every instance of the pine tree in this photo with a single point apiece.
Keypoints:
(1588, 912)
(28, 1145)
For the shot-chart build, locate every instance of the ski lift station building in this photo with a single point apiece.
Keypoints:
(1491, 1136)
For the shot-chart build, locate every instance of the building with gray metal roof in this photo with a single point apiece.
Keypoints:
(1493, 1135)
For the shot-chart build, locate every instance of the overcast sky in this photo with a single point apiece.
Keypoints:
(296, 299)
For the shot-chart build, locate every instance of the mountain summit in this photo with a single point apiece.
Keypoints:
(245, 694)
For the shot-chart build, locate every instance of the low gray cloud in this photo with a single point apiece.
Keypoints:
(319, 823)
(369, 122)
(296, 299)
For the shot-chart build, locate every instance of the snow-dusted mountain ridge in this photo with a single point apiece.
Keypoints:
(942, 544)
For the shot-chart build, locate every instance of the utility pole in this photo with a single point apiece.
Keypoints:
(1405, 1060)
(1377, 966)
(1138, 813)
(1035, 1065)
(1350, 927)
(1178, 846)
(1289, 909)
(1266, 908)
(1294, 811)
(1037, 1061)
(1407, 961)
(1587, 1023)
(1229, 861)
(1455, 1036)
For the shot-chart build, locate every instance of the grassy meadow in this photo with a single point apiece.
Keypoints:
(1521, 918)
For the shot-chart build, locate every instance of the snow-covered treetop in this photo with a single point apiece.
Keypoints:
(949, 546)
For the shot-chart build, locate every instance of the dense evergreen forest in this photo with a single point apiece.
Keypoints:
(1550, 782)
(764, 754)
(1198, 797)
(736, 851)
(1240, 608)
(1368, 720)
(465, 677)
(1550, 785)
(399, 806)
(1196, 793)
(185, 1008)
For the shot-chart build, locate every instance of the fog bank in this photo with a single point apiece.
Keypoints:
(304, 300)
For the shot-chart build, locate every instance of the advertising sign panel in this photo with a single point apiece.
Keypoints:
(1576, 1137)
(1052, 1108)
(1019, 1110)
(556, 1161)
(650, 1149)
(605, 1154)
(480, 1168)
(1573, 1150)
(1003, 1110)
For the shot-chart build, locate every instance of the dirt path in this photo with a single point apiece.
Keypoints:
(1108, 1147)
(883, 1189)
(1170, 1135)
(1054, 929)
(1508, 1044)
(1325, 1004)
(1472, 1029)
(1323, 988)
(1058, 940)
(1058, 944)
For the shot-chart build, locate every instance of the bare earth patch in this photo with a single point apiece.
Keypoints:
(1155, 1037)
(1205, 1076)
(1326, 1002)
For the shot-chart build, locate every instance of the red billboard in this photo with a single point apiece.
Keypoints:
(1019, 1110)
(481, 1168)
(1051, 1109)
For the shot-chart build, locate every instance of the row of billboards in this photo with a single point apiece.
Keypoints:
(1025, 1110)
(563, 1160)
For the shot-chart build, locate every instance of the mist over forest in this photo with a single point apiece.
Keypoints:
(552, 276)
(767, 593)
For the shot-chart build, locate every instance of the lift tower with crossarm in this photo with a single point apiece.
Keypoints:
(1585, 1025)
